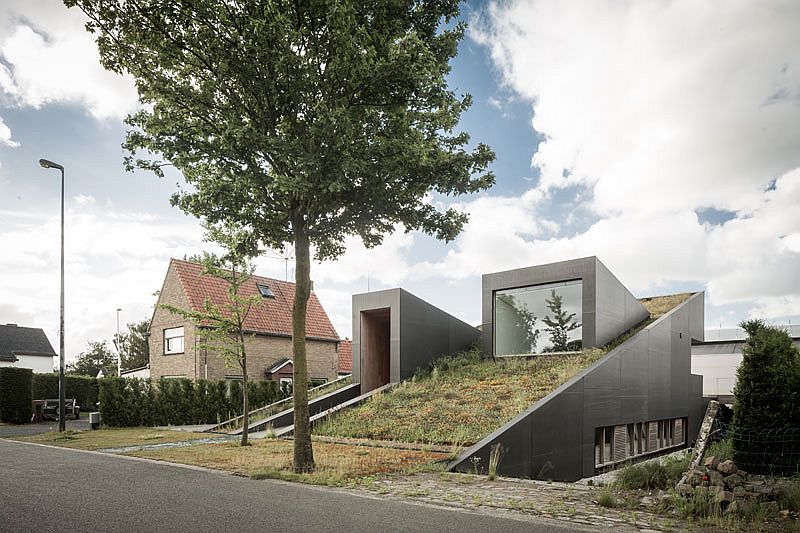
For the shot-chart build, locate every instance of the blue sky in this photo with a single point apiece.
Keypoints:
(623, 131)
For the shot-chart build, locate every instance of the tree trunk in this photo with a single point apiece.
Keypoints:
(245, 400)
(303, 453)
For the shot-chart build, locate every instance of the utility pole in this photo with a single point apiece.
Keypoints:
(119, 353)
(62, 415)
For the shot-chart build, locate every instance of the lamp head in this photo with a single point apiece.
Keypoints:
(49, 164)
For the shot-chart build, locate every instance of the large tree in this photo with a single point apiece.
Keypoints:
(96, 357)
(304, 122)
(133, 346)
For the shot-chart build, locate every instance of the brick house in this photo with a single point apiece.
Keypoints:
(175, 347)
(346, 357)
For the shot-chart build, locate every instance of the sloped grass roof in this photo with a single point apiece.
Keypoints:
(462, 399)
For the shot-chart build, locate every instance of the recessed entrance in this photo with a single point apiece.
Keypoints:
(375, 330)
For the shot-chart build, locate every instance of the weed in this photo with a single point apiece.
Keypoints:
(606, 498)
(495, 454)
(790, 495)
(721, 449)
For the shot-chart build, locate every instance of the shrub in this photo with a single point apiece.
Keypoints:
(767, 393)
(140, 402)
(16, 395)
(655, 474)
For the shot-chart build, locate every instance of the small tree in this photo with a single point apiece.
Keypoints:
(133, 346)
(767, 392)
(95, 358)
(559, 324)
(222, 327)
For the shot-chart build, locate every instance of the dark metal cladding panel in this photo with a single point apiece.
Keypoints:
(617, 309)
(516, 456)
(634, 367)
(557, 433)
(427, 332)
(605, 376)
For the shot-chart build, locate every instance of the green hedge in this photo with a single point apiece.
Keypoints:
(16, 394)
(141, 402)
(84, 389)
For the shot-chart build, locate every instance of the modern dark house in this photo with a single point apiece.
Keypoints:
(638, 400)
(395, 333)
(26, 348)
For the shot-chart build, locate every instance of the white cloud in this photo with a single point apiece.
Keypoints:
(84, 199)
(645, 101)
(5, 136)
(51, 59)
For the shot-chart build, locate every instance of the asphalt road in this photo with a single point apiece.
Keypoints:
(49, 489)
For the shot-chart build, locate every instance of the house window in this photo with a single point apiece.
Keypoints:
(265, 291)
(173, 340)
(614, 444)
(539, 319)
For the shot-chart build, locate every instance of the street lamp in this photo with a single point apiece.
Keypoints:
(62, 414)
(119, 354)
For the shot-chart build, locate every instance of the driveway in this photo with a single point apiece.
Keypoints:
(13, 430)
(50, 489)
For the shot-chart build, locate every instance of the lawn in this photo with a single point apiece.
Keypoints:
(460, 401)
(336, 464)
(111, 438)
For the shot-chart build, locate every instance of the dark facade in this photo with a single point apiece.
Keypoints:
(608, 308)
(642, 392)
(395, 333)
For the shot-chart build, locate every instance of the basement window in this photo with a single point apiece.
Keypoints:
(265, 291)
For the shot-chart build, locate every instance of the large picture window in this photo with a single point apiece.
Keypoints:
(173, 340)
(538, 319)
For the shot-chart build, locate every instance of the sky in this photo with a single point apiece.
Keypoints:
(660, 136)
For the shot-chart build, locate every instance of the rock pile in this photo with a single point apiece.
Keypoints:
(730, 487)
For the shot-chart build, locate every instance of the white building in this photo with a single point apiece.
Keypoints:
(26, 348)
(718, 357)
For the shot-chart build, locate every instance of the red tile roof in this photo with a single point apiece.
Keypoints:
(273, 316)
(346, 357)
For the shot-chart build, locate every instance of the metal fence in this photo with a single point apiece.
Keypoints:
(774, 452)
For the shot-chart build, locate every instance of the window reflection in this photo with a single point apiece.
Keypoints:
(538, 319)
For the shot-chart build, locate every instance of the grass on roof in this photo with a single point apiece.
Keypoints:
(459, 401)
(111, 437)
(660, 305)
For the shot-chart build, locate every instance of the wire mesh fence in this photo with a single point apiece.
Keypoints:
(774, 452)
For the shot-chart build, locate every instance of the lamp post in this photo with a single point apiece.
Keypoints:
(62, 415)
(119, 354)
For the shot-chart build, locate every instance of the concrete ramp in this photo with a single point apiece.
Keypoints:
(319, 416)
(317, 405)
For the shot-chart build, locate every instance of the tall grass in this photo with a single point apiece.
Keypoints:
(660, 473)
(495, 454)
(458, 399)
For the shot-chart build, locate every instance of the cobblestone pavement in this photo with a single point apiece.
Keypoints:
(564, 502)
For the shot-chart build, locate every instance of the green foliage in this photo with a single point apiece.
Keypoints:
(660, 473)
(767, 401)
(130, 402)
(767, 393)
(789, 496)
(721, 449)
(16, 394)
(133, 345)
(84, 389)
(95, 358)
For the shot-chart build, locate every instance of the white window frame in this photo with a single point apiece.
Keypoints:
(170, 334)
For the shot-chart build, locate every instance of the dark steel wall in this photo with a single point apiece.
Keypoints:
(419, 332)
(609, 309)
(646, 378)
